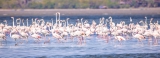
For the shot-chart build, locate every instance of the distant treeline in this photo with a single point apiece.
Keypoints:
(76, 4)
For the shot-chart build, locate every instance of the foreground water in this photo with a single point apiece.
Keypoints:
(93, 48)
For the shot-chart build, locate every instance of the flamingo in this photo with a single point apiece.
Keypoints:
(45, 33)
(117, 36)
(86, 24)
(6, 25)
(24, 35)
(130, 19)
(139, 37)
(57, 16)
(120, 38)
(57, 36)
(2, 37)
(155, 35)
(15, 37)
(18, 21)
(80, 35)
(36, 37)
(13, 21)
(148, 33)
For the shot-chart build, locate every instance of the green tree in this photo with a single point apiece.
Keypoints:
(75, 4)
(35, 5)
(48, 4)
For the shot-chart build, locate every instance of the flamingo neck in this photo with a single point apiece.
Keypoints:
(27, 22)
(67, 23)
(52, 22)
(10, 34)
(13, 22)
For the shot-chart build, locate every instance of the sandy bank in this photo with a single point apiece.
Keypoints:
(71, 12)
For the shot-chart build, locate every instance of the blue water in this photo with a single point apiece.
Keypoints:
(93, 48)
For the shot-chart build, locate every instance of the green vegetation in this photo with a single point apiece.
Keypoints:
(75, 4)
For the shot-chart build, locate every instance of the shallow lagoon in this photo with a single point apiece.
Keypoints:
(94, 46)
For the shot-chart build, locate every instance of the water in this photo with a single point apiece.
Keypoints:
(93, 48)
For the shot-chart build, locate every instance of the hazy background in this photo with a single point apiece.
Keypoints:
(77, 4)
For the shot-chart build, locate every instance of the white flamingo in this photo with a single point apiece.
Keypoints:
(155, 35)
(15, 37)
(2, 37)
(37, 37)
(13, 21)
(24, 35)
(120, 39)
(57, 36)
(139, 37)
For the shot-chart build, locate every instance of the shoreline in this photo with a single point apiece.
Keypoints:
(73, 12)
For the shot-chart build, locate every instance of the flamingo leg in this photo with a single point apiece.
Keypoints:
(156, 41)
(6, 41)
(16, 42)
(114, 41)
(84, 41)
(45, 39)
(37, 41)
(26, 40)
(59, 40)
(80, 40)
(48, 41)
(127, 36)
(72, 38)
(20, 41)
(140, 41)
(1, 43)
(120, 42)
(107, 38)
(149, 41)
(67, 37)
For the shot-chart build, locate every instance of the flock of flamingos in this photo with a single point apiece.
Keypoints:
(61, 30)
